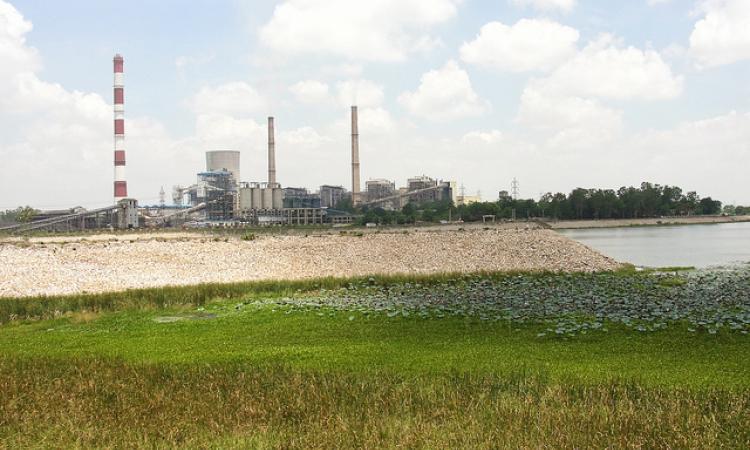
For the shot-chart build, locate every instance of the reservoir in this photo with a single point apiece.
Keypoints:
(664, 246)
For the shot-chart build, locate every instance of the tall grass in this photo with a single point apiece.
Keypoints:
(46, 307)
(105, 403)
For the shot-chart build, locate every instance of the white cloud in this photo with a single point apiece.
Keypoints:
(723, 35)
(604, 69)
(570, 122)
(306, 137)
(375, 121)
(706, 155)
(444, 94)
(310, 91)
(363, 93)
(16, 57)
(548, 5)
(44, 128)
(483, 137)
(222, 131)
(567, 131)
(567, 107)
(375, 30)
(530, 44)
(375, 124)
(657, 2)
(343, 70)
(235, 98)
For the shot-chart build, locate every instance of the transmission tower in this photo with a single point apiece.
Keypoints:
(514, 189)
(162, 197)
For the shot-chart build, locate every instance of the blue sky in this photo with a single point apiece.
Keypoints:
(558, 93)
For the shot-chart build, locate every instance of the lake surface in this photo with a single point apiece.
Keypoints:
(663, 246)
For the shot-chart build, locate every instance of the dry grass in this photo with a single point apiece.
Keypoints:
(102, 403)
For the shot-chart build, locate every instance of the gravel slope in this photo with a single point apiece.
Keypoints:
(49, 268)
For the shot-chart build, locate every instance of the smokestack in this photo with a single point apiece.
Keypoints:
(355, 158)
(271, 154)
(121, 186)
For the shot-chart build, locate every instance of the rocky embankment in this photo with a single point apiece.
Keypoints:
(653, 221)
(52, 266)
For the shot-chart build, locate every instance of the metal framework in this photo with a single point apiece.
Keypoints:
(403, 195)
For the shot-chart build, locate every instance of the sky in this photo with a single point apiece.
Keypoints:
(556, 93)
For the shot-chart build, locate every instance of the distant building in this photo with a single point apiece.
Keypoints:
(381, 188)
(300, 198)
(467, 199)
(331, 196)
(442, 190)
(218, 190)
(259, 196)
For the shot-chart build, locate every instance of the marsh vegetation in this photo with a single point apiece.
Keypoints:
(414, 361)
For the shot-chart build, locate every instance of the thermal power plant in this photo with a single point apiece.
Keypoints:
(271, 154)
(120, 185)
(220, 197)
(228, 160)
(223, 197)
(356, 196)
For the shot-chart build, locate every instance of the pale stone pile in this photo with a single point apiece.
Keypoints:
(47, 268)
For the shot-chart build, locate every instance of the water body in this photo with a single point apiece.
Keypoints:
(662, 246)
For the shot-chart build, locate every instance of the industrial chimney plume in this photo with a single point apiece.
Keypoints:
(121, 186)
(271, 154)
(355, 158)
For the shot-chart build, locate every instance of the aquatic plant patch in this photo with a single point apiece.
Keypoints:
(570, 304)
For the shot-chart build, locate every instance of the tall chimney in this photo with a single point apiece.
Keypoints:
(121, 186)
(356, 200)
(271, 154)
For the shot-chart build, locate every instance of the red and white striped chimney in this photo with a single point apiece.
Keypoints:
(121, 186)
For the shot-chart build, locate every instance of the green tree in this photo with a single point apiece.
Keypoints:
(708, 206)
(26, 214)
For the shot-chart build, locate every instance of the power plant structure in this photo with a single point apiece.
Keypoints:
(121, 185)
(124, 213)
(220, 196)
(225, 199)
(226, 160)
(356, 195)
(271, 154)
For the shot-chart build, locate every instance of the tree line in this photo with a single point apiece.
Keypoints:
(21, 214)
(647, 200)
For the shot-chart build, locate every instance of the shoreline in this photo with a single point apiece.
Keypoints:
(645, 222)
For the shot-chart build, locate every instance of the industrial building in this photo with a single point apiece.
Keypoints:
(268, 203)
(331, 196)
(418, 190)
(220, 195)
(223, 197)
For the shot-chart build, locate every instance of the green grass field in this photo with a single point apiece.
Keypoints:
(248, 367)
